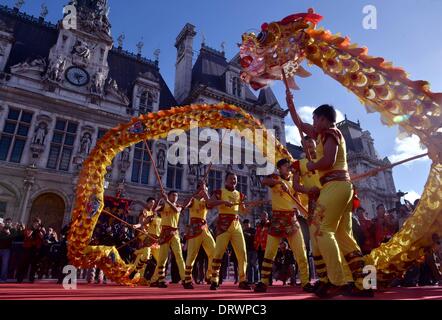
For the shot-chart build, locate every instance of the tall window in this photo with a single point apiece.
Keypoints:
(215, 180)
(62, 145)
(2, 209)
(236, 86)
(141, 164)
(101, 133)
(174, 176)
(242, 184)
(15, 132)
(146, 102)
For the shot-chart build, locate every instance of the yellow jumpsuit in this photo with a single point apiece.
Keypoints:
(310, 180)
(199, 237)
(153, 229)
(229, 230)
(169, 238)
(332, 235)
(284, 224)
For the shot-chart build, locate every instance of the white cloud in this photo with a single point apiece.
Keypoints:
(292, 135)
(407, 148)
(305, 113)
(412, 196)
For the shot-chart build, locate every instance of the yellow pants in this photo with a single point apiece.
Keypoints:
(160, 270)
(193, 247)
(235, 236)
(296, 242)
(142, 256)
(332, 236)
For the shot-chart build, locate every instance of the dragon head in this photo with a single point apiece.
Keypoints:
(279, 46)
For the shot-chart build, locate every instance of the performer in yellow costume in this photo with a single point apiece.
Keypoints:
(169, 238)
(230, 203)
(199, 234)
(332, 224)
(149, 222)
(283, 224)
(308, 184)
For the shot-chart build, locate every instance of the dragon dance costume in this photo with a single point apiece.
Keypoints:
(229, 230)
(331, 225)
(199, 235)
(169, 238)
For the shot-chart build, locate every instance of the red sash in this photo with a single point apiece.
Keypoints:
(196, 227)
(283, 224)
(167, 233)
(224, 222)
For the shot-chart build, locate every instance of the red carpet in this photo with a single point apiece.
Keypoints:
(229, 291)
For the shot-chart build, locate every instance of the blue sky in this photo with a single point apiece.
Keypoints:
(409, 33)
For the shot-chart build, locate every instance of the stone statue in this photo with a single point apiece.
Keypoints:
(161, 159)
(40, 133)
(82, 50)
(85, 143)
(254, 179)
(98, 83)
(56, 69)
(125, 155)
(120, 40)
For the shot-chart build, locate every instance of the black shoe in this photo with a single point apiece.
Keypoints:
(356, 292)
(188, 285)
(309, 288)
(162, 285)
(244, 286)
(154, 284)
(316, 285)
(260, 287)
(328, 290)
(214, 286)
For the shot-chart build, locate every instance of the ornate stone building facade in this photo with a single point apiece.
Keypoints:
(362, 157)
(61, 89)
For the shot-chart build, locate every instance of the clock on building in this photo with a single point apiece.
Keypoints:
(77, 76)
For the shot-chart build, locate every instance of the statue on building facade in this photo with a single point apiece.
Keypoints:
(40, 133)
(85, 143)
(98, 83)
(161, 159)
(56, 69)
(81, 51)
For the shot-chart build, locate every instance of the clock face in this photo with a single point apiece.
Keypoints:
(77, 76)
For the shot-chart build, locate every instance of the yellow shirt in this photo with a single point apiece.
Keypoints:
(307, 179)
(233, 196)
(169, 217)
(155, 226)
(341, 158)
(281, 201)
(198, 209)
